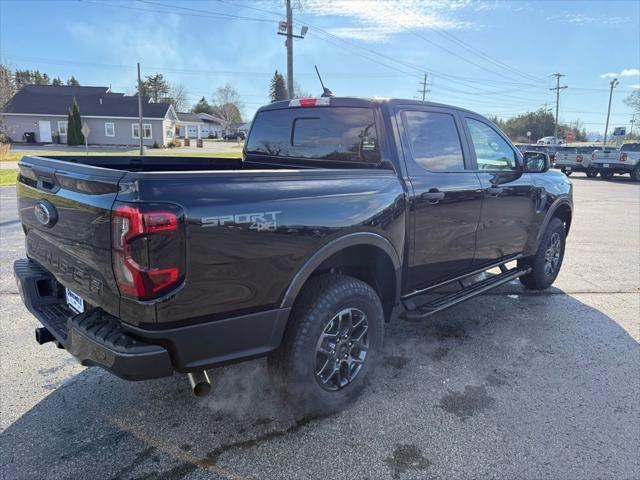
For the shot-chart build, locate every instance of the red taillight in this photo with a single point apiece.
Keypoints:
(623, 157)
(578, 158)
(133, 229)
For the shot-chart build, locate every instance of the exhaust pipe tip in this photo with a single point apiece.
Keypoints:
(200, 383)
(43, 336)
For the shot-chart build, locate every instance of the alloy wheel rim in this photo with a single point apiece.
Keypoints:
(552, 254)
(342, 349)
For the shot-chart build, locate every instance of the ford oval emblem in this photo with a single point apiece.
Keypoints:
(45, 213)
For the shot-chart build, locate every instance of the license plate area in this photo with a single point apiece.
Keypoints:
(74, 301)
(606, 165)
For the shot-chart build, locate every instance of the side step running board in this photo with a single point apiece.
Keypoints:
(446, 301)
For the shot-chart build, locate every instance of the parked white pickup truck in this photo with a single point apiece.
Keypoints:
(575, 159)
(626, 160)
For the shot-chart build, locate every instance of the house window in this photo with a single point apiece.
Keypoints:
(169, 132)
(109, 129)
(62, 127)
(146, 129)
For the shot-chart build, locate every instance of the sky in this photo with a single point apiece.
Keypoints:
(493, 57)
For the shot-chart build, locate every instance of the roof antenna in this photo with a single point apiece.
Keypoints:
(325, 91)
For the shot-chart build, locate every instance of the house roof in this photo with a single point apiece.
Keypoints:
(208, 118)
(188, 117)
(92, 101)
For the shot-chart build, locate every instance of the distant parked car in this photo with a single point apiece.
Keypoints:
(235, 136)
(549, 141)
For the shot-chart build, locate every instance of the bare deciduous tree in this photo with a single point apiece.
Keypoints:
(7, 88)
(227, 104)
(178, 97)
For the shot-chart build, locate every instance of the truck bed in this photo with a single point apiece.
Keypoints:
(185, 163)
(246, 224)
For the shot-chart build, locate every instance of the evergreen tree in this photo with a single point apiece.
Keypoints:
(56, 81)
(74, 125)
(22, 78)
(71, 130)
(157, 86)
(72, 82)
(202, 106)
(278, 88)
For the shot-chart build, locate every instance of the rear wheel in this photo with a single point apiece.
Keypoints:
(592, 172)
(567, 172)
(635, 175)
(546, 263)
(332, 344)
(606, 174)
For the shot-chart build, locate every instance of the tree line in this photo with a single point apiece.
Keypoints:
(540, 123)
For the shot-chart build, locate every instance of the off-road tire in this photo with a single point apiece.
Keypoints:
(592, 172)
(293, 366)
(539, 278)
(635, 175)
(606, 174)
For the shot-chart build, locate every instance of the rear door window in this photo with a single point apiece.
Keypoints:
(434, 140)
(344, 134)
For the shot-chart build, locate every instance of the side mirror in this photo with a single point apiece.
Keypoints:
(536, 162)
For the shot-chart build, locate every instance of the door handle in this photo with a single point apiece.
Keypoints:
(494, 190)
(433, 196)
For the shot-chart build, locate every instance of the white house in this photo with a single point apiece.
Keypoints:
(199, 125)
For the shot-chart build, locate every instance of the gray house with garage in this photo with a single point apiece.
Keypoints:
(200, 125)
(111, 117)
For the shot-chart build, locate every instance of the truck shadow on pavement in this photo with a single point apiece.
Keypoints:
(507, 385)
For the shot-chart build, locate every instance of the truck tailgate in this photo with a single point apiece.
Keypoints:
(65, 209)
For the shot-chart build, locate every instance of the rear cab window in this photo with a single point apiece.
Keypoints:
(630, 147)
(336, 134)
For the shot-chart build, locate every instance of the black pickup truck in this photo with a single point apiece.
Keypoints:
(343, 214)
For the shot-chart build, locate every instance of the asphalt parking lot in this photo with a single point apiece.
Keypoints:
(509, 385)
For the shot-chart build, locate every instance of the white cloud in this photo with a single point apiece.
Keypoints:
(635, 87)
(584, 19)
(376, 21)
(627, 72)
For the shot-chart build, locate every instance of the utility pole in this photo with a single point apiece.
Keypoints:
(557, 88)
(614, 83)
(140, 132)
(424, 90)
(286, 28)
(289, 43)
(633, 120)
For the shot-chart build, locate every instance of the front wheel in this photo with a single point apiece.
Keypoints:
(592, 172)
(332, 344)
(567, 172)
(635, 175)
(545, 264)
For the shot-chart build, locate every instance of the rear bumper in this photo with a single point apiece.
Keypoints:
(96, 338)
(617, 167)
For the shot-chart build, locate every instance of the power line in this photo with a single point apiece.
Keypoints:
(467, 47)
